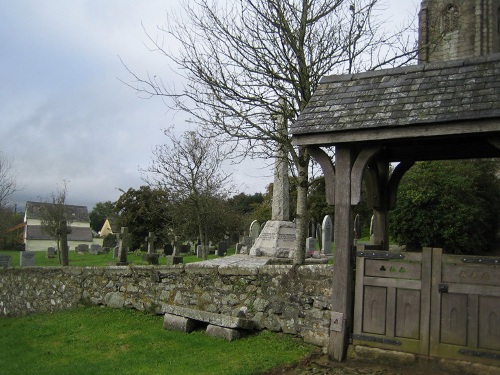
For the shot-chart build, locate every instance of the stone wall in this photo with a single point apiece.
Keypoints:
(293, 300)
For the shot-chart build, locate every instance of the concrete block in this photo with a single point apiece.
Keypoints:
(228, 334)
(178, 323)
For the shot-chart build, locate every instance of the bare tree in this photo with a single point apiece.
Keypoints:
(189, 169)
(8, 180)
(55, 221)
(248, 63)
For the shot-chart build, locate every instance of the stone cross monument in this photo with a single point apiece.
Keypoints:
(277, 238)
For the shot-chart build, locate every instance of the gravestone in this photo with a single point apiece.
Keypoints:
(151, 258)
(185, 248)
(150, 239)
(116, 251)
(319, 236)
(327, 228)
(4, 261)
(96, 249)
(123, 247)
(199, 251)
(254, 230)
(310, 245)
(168, 249)
(27, 259)
(221, 248)
(357, 227)
(311, 228)
(82, 248)
(51, 252)
(239, 246)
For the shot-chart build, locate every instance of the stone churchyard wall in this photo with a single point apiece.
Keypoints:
(294, 300)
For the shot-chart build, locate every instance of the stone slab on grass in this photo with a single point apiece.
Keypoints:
(228, 334)
(208, 317)
(178, 323)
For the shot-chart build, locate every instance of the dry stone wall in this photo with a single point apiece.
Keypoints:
(290, 299)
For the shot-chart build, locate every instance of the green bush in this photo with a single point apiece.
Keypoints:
(449, 204)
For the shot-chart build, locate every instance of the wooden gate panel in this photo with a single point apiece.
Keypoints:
(374, 310)
(408, 313)
(489, 323)
(389, 301)
(454, 319)
(465, 308)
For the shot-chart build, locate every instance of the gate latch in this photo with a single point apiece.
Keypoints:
(443, 288)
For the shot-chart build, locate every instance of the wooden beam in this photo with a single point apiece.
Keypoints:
(358, 170)
(448, 129)
(341, 321)
(328, 171)
(394, 180)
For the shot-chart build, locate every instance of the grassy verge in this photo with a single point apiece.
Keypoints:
(96, 340)
(86, 260)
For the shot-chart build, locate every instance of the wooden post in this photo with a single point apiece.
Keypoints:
(341, 320)
(380, 213)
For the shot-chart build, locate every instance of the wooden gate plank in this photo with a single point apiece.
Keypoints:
(425, 300)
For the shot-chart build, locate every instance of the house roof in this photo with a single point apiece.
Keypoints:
(75, 213)
(385, 102)
(35, 232)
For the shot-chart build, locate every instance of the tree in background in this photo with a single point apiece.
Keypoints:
(144, 210)
(454, 205)
(55, 221)
(99, 214)
(8, 216)
(190, 170)
(251, 66)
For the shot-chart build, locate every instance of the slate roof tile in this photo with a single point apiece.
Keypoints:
(427, 93)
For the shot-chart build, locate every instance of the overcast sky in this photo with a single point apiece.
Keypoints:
(64, 114)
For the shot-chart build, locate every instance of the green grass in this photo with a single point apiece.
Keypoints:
(91, 260)
(97, 340)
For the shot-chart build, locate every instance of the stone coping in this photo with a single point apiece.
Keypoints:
(209, 317)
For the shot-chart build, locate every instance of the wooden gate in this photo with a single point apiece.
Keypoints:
(428, 303)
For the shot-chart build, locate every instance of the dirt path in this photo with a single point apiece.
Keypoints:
(321, 365)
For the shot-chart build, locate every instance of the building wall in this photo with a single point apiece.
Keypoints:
(452, 29)
(293, 300)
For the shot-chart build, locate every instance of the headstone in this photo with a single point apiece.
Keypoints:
(116, 251)
(151, 258)
(319, 236)
(199, 251)
(185, 248)
(82, 248)
(221, 248)
(254, 230)
(176, 247)
(150, 239)
(51, 252)
(327, 228)
(239, 246)
(4, 261)
(96, 249)
(310, 245)
(123, 247)
(311, 228)
(357, 227)
(168, 249)
(27, 259)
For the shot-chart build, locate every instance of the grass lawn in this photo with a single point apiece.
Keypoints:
(85, 260)
(97, 340)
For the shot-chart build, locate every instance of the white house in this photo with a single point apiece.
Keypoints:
(35, 239)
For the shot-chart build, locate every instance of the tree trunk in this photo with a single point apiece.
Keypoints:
(64, 244)
(301, 215)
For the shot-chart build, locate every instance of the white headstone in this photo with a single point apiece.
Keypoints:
(254, 230)
(327, 228)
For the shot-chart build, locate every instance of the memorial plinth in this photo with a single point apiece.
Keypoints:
(277, 239)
